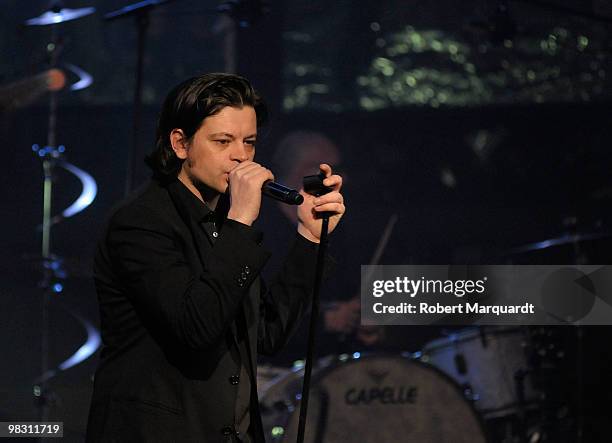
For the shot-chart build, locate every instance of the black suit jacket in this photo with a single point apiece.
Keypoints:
(169, 301)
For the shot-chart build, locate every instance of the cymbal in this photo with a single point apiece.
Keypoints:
(59, 16)
(565, 239)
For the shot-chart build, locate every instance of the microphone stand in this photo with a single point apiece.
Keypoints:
(314, 314)
(141, 12)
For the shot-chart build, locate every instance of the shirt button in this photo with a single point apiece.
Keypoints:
(234, 379)
(215, 234)
(227, 430)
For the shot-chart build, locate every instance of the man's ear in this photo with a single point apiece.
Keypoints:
(179, 143)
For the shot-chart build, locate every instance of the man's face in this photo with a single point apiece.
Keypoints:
(222, 142)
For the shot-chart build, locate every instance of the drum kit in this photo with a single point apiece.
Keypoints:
(474, 385)
(497, 384)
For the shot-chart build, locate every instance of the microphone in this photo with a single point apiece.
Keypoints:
(282, 193)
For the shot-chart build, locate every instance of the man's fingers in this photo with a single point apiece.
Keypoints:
(332, 202)
(251, 170)
(259, 172)
(336, 208)
(333, 181)
(332, 197)
(326, 169)
(244, 165)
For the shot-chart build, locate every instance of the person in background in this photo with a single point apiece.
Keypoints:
(339, 324)
(296, 156)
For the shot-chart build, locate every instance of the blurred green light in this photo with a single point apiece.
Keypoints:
(362, 80)
(531, 76)
(278, 431)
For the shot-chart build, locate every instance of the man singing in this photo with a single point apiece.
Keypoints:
(183, 310)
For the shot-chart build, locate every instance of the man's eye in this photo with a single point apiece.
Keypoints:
(250, 142)
(222, 141)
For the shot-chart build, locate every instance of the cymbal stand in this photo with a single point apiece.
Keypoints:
(49, 155)
(140, 11)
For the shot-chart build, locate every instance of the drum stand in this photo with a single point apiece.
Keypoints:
(519, 384)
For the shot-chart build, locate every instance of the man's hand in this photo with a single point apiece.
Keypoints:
(309, 225)
(245, 182)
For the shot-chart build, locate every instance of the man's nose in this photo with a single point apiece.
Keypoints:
(239, 152)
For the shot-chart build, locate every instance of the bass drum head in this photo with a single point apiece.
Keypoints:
(385, 399)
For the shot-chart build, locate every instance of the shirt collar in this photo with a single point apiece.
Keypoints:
(197, 209)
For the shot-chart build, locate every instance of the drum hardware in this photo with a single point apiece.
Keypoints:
(51, 266)
(556, 357)
(483, 336)
(521, 411)
(469, 393)
(460, 364)
(519, 379)
(140, 11)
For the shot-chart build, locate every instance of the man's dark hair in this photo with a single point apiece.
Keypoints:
(186, 107)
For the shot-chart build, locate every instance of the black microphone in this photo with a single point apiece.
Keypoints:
(282, 193)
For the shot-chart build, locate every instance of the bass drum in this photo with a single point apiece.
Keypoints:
(371, 399)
